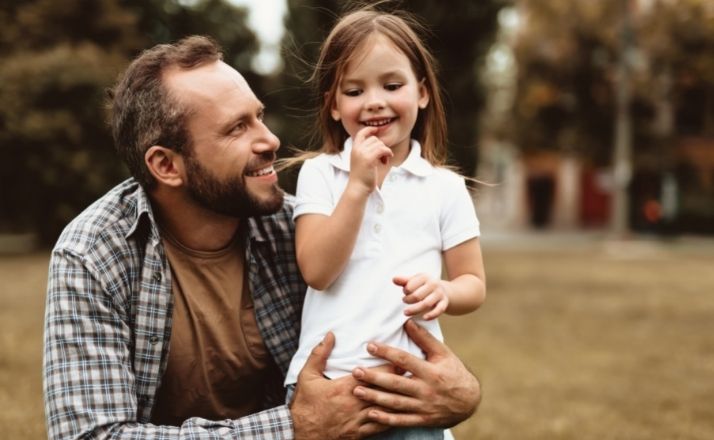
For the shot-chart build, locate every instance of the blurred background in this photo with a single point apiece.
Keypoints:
(591, 124)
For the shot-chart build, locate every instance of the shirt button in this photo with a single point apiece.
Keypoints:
(157, 276)
(393, 177)
(377, 228)
(154, 340)
(380, 208)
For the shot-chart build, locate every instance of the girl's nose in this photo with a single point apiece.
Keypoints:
(375, 101)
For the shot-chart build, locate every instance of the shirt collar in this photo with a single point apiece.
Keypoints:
(142, 206)
(414, 163)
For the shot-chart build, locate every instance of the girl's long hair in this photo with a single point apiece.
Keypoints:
(338, 49)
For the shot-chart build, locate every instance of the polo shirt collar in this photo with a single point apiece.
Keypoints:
(414, 163)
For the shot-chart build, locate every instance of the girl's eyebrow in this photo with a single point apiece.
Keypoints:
(386, 75)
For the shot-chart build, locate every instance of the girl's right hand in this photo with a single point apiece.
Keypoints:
(368, 155)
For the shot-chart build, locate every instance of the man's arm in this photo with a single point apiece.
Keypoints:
(89, 382)
(441, 391)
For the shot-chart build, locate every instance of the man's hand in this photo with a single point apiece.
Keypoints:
(441, 391)
(324, 409)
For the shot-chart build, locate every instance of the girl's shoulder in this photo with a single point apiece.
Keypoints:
(448, 175)
(319, 160)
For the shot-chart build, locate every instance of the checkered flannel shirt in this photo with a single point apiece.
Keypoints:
(108, 323)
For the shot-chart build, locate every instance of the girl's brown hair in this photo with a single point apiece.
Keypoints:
(348, 34)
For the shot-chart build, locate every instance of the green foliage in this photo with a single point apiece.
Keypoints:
(58, 154)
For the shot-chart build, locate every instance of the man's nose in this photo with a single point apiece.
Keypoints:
(267, 140)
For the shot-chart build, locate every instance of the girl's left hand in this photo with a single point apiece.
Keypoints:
(426, 295)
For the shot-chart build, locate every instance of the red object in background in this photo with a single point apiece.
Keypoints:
(652, 211)
(595, 198)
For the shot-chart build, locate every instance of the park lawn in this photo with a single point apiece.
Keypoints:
(598, 342)
(587, 342)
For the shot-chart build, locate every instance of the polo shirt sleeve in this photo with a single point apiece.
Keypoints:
(313, 194)
(457, 220)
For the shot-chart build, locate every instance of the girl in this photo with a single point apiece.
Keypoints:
(377, 211)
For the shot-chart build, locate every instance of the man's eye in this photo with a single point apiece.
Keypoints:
(239, 127)
(393, 86)
(352, 92)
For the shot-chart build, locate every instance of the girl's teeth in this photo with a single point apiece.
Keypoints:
(378, 123)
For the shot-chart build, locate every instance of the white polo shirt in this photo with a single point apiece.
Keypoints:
(419, 212)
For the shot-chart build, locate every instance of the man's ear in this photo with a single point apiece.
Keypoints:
(165, 165)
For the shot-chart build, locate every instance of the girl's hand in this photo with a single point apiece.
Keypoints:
(368, 154)
(426, 295)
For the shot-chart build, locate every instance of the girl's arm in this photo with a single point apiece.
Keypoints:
(324, 243)
(466, 287)
(463, 292)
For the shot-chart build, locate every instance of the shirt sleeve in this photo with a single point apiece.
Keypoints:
(457, 220)
(313, 194)
(88, 369)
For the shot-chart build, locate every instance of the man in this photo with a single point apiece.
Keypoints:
(174, 300)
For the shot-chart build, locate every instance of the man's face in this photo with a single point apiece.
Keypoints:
(229, 165)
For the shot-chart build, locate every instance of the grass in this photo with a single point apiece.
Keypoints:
(583, 342)
(593, 344)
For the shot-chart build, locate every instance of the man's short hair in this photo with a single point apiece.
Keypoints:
(144, 112)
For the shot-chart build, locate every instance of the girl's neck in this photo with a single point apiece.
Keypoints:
(401, 152)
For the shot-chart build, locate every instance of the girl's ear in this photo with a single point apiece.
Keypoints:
(334, 112)
(165, 165)
(423, 94)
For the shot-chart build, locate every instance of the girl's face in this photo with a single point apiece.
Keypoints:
(379, 88)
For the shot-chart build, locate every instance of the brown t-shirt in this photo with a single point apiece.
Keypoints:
(218, 365)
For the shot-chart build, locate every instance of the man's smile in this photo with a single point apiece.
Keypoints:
(261, 172)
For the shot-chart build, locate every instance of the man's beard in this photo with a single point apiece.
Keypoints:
(229, 197)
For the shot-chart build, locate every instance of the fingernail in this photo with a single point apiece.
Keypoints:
(359, 392)
(358, 373)
(372, 348)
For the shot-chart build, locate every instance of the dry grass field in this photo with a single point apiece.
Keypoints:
(583, 342)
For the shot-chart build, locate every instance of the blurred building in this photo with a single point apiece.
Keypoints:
(549, 126)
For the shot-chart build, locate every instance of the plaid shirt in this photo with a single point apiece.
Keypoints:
(108, 323)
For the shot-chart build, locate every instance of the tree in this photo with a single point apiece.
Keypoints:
(568, 54)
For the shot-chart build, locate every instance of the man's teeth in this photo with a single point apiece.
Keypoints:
(265, 171)
(378, 122)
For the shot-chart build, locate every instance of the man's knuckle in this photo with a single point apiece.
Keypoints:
(401, 358)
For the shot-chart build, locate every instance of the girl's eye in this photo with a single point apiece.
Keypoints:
(392, 86)
(352, 92)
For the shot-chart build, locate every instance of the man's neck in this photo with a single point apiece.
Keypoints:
(192, 225)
